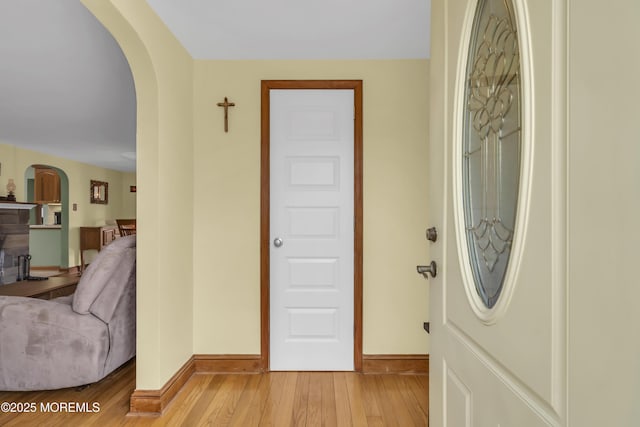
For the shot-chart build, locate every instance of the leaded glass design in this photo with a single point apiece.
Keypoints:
(491, 145)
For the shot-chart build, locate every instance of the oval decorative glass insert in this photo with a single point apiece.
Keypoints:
(491, 145)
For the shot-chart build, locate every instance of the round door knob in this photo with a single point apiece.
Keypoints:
(277, 242)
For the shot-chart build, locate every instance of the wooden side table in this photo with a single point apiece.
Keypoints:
(95, 238)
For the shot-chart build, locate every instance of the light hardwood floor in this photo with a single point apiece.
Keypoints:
(272, 399)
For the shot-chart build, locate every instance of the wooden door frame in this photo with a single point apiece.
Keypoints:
(265, 176)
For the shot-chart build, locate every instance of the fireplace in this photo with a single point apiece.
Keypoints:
(14, 238)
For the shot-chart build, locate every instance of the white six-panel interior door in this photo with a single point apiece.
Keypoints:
(311, 248)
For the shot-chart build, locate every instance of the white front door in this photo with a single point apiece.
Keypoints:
(312, 230)
(498, 309)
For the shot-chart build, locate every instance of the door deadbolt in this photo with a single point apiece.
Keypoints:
(426, 270)
(432, 234)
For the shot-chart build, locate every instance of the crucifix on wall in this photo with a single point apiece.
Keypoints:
(226, 104)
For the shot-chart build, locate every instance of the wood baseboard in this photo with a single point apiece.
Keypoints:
(45, 267)
(228, 363)
(395, 364)
(75, 269)
(154, 402)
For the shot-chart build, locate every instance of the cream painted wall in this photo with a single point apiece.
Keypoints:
(163, 75)
(129, 199)
(603, 191)
(227, 205)
(15, 162)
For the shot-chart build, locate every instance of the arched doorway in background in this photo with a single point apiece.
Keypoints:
(48, 187)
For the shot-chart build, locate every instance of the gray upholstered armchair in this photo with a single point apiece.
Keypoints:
(74, 340)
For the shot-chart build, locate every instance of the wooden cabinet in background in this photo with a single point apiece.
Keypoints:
(46, 185)
(95, 238)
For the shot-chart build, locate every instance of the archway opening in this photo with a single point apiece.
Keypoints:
(48, 187)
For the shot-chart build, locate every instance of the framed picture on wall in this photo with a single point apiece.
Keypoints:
(99, 192)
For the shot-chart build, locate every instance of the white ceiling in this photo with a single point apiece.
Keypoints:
(66, 88)
(299, 29)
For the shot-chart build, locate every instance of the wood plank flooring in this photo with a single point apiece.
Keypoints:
(273, 399)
